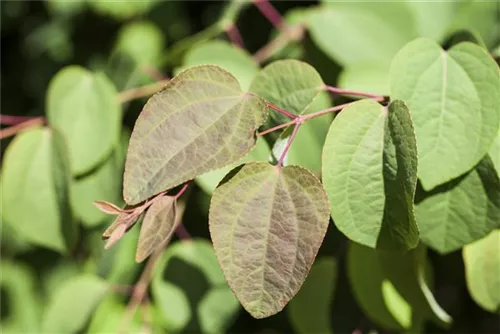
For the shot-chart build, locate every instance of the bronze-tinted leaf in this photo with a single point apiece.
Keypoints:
(157, 226)
(267, 224)
(199, 122)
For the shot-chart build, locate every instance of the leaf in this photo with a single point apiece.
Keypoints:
(108, 208)
(267, 224)
(461, 211)
(374, 293)
(432, 19)
(209, 181)
(121, 10)
(482, 269)
(20, 298)
(289, 84)
(35, 189)
(407, 274)
(72, 305)
(480, 17)
(157, 227)
(229, 57)
(365, 78)
(307, 145)
(309, 310)
(190, 291)
(108, 315)
(462, 91)
(143, 41)
(362, 24)
(103, 184)
(369, 173)
(218, 128)
(84, 107)
(494, 153)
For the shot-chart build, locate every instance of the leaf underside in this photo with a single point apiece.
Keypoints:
(267, 224)
(199, 122)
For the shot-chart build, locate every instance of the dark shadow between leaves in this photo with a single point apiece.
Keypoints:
(230, 175)
(193, 283)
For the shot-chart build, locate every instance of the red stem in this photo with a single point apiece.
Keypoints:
(337, 90)
(12, 130)
(289, 143)
(281, 111)
(183, 190)
(14, 120)
(281, 126)
(269, 12)
(234, 35)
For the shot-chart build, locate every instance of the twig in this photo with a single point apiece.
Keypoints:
(291, 33)
(10, 131)
(281, 111)
(154, 73)
(289, 143)
(135, 93)
(14, 120)
(270, 13)
(342, 91)
(233, 33)
(303, 118)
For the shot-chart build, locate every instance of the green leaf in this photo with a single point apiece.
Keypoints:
(407, 273)
(461, 211)
(369, 173)
(307, 145)
(157, 227)
(309, 310)
(84, 107)
(104, 184)
(35, 189)
(365, 78)
(108, 316)
(72, 305)
(267, 224)
(122, 10)
(190, 290)
(432, 19)
(21, 301)
(482, 269)
(218, 128)
(233, 59)
(446, 91)
(143, 41)
(480, 17)
(346, 30)
(494, 153)
(289, 84)
(209, 181)
(375, 294)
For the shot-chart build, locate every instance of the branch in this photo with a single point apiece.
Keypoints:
(270, 13)
(281, 111)
(10, 131)
(234, 35)
(342, 91)
(290, 34)
(299, 119)
(289, 143)
(135, 93)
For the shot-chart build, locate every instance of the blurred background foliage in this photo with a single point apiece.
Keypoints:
(73, 285)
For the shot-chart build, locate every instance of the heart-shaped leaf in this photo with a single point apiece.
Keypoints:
(83, 106)
(157, 226)
(267, 224)
(199, 122)
(370, 175)
(460, 211)
(446, 91)
(289, 84)
(36, 189)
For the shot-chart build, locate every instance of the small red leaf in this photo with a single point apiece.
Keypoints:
(108, 207)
